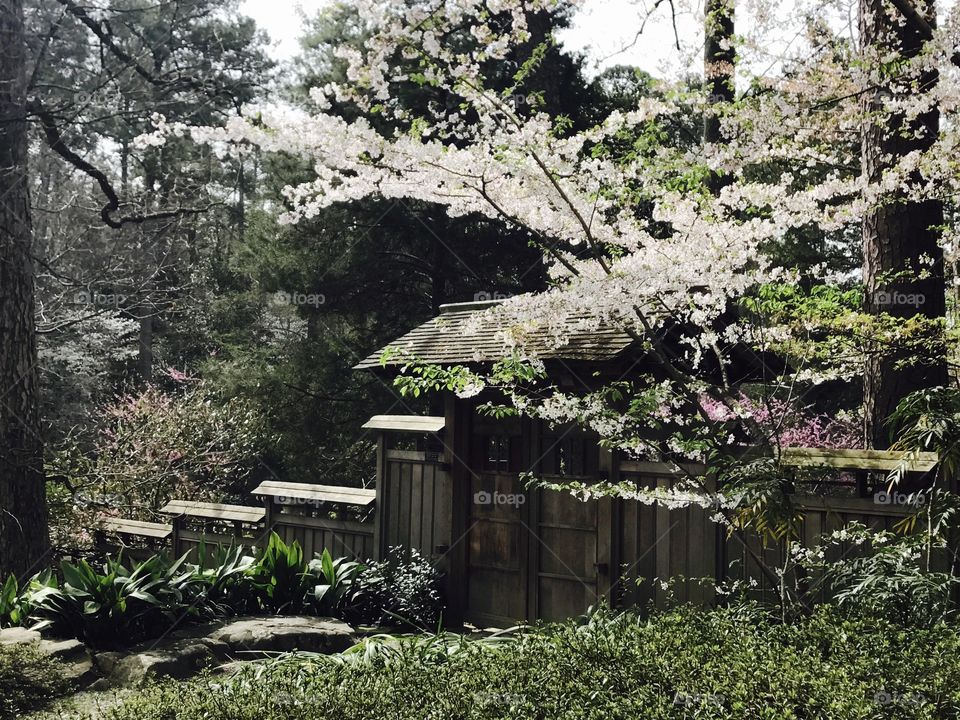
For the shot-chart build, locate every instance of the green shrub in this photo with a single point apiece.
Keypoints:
(338, 583)
(121, 604)
(28, 680)
(115, 604)
(400, 590)
(730, 664)
(280, 576)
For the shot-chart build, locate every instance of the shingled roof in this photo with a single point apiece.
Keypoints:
(443, 340)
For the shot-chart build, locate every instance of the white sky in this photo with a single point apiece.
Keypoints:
(601, 28)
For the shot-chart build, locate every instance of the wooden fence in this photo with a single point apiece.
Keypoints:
(318, 517)
(542, 555)
(654, 544)
(553, 555)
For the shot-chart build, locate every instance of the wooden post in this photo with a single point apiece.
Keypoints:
(379, 507)
(175, 535)
(610, 525)
(268, 508)
(456, 445)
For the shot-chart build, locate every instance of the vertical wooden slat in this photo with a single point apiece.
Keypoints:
(456, 439)
(406, 477)
(662, 551)
(713, 550)
(699, 559)
(416, 506)
(427, 512)
(532, 432)
(614, 531)
(629, 554)
(678, 526)
(380, 515)
(393, 504)
(442, 514)
(604, 553)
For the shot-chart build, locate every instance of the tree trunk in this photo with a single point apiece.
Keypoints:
(719, 59)
(24, 540)
(145, 345)
(898, 235)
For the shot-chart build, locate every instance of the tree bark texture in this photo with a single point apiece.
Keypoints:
(902, 261)
(24, 538)
(719, 59)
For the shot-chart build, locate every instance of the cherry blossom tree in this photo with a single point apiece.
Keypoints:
(638, 231)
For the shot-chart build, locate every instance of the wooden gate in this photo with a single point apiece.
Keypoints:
(570, 562)
(532, 554)
(498, 548)
(414, 503)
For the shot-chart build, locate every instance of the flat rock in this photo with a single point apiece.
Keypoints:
(178, 659)
(283, 634)
(191, 649)
(77, 664)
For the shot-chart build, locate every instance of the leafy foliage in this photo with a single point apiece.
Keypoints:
(116, 604)
(874, 573)
(402, 589)
(722, 664)
(11, 608)
(338, 586)
(120, 604)
(929, 421)
(28, 680)
(281, 578)
(153, 445)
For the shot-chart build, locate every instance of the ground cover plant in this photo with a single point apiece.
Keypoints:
(686, 663)
(28, 680)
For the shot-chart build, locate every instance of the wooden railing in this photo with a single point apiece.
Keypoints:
(312, 515)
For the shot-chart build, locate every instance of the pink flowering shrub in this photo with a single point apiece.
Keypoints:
(787, 425)
(147, 447)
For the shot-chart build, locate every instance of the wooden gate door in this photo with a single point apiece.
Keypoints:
(533, 555)
(569, 560)
(498, 549)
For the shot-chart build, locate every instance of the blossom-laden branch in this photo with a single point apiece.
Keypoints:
(638, 238)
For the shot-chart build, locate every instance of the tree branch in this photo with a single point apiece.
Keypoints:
(56, 142)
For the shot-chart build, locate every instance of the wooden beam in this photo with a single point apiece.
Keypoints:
(214, 511)
(316, 493)
(859, 459)
(406, 423)
(123, 526)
